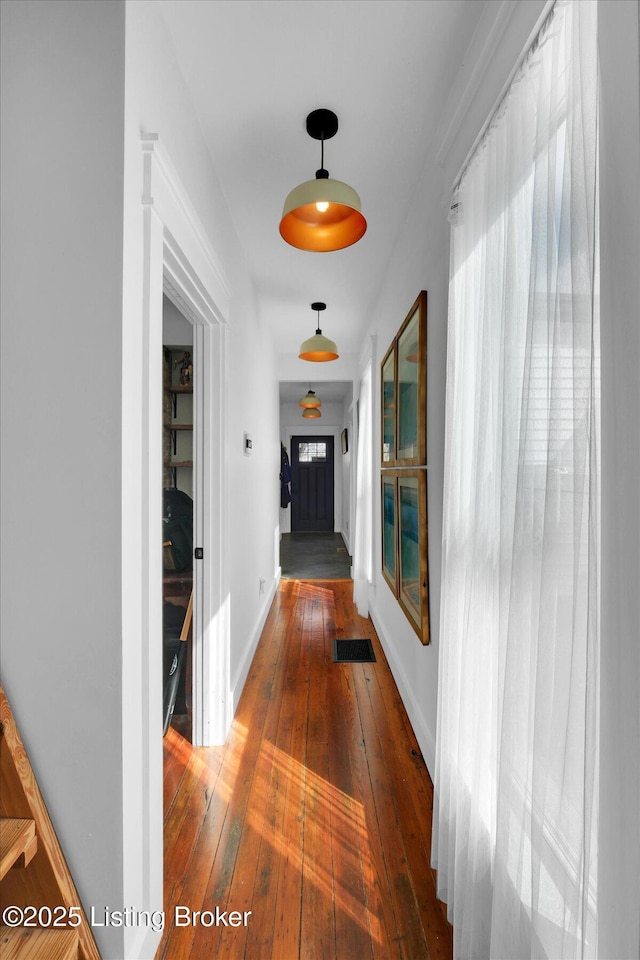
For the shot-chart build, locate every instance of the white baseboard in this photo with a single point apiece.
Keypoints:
(423, 735)
(243, 671)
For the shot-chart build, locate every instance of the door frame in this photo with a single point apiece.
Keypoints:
(179, 262)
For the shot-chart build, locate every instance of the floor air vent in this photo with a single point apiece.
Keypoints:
(353, 651)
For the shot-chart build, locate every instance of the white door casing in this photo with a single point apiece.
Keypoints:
(190, 275)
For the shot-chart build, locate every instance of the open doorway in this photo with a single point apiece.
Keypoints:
(178, 261)
(178, 598)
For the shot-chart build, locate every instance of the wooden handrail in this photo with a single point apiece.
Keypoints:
(46, 881)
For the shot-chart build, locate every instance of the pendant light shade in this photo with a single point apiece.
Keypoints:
(322, 214)
(311, 413)
(310, 401)
(318, 348)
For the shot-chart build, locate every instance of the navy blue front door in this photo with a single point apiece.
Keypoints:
(311, 484)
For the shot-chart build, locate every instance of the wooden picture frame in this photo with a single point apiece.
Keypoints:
(403, 390)
(405, 567)
(403, 474)
(412, 558)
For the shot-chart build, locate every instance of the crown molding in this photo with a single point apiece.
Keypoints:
(480, 52)
(185, 236)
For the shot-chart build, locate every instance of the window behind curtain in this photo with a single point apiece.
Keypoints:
(518, 703)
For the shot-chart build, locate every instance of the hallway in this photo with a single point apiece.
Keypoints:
(316, 813)
(314, 556)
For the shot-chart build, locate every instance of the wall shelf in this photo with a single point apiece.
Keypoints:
(177, 423)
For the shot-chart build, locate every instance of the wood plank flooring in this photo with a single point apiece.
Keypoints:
(315, 815)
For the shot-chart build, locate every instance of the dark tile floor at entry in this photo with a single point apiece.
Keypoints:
(314, 556)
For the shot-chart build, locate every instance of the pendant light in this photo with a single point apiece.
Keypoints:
(322, 214)
(318, 348)
(311, 413)
(310, 401)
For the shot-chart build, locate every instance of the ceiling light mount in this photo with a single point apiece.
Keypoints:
(322, 214)
(322, 125)
(319, 348)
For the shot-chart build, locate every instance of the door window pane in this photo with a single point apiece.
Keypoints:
(312, 452)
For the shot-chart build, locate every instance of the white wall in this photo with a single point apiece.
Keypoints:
(72, 269)
(421, 262)
(347, 462)
(62, 216)
(157, 102)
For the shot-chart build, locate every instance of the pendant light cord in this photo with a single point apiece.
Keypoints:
(322, 174)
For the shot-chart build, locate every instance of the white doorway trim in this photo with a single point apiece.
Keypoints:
(179, 261)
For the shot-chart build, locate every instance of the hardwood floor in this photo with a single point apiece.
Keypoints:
(315, 815)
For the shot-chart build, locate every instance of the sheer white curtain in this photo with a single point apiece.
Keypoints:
(517, 748)
(362, 561)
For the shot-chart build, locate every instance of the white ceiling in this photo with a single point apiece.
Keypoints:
(256, 68)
